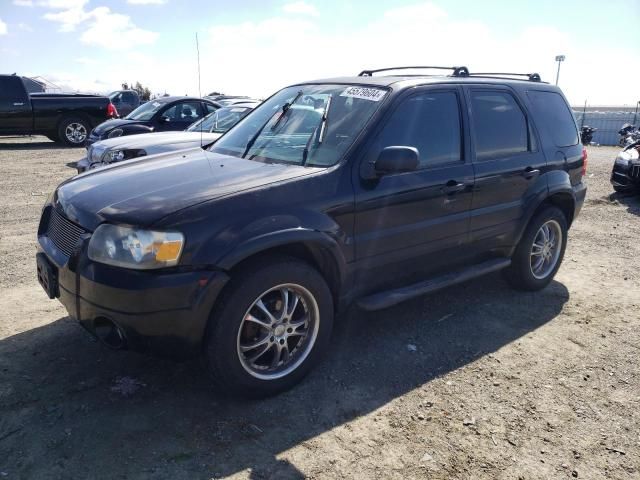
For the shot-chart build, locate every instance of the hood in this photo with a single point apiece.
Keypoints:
(147, 141)
(114, 123)
(142, 191)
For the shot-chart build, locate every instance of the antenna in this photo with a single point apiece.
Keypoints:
(199, 87)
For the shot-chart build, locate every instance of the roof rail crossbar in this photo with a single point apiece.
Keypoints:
(457, 71)
(533, 77)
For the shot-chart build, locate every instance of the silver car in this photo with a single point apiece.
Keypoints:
(199, 134)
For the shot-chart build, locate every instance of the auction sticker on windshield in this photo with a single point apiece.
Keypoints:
(364, 93)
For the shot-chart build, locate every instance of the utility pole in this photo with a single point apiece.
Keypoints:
(559, 59)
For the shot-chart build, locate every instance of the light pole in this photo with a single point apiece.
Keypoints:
(635, 115)
(559, 59)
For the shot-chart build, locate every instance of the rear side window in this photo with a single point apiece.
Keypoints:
(429, 122)
(551, 110)
(499, 124)
(11, 88)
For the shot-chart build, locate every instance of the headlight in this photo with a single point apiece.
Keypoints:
(622, 162)
(120, 155)
(135, 248)
(116, 132)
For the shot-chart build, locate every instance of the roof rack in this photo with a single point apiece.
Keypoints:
(532, 77)
(457, 71)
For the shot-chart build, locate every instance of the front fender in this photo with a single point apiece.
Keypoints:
(319, 243)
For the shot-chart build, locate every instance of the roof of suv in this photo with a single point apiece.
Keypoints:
(407, 80)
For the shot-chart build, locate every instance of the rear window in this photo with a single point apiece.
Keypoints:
(11, 88)
(551, 110)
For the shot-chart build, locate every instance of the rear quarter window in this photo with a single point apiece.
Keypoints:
(551, 110)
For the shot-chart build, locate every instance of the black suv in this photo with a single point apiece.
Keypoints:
(371, 188)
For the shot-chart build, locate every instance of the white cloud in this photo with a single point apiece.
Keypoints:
(302, 8)
(3, 28)
(147, 2)
(102, 27)
(115, 31)
(63, 3)
(284, 50)
(23, 3)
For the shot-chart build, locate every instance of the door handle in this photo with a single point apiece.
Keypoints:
(530, 172)
(453, 186)
(18, 104)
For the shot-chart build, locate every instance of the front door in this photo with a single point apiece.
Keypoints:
(407, 224)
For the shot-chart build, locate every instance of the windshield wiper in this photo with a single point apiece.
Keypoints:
(285, 108)
(323, 128)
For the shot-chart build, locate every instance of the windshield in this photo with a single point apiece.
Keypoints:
(219, 121)
(145, 111)
(303, 125)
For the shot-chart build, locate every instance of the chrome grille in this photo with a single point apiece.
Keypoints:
(63, 233)
(634, 171)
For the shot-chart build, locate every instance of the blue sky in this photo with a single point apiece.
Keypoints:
(255, 47)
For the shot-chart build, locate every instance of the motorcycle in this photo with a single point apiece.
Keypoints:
(628, 134)
(586, 134)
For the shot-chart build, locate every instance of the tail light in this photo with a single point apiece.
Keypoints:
(584, 161)
(111, 111)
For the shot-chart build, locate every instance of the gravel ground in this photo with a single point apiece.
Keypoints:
(477, 381)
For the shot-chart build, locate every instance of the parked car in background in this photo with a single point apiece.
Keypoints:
(161, 115)
(66, 118)
(201, 133)
(368, 189)
(625, 176)
(125, 101)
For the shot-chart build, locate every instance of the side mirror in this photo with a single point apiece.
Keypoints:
(396, 160)
(164, 119)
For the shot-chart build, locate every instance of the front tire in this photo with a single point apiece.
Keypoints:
(539, 254)
(73, 131)
(269, 329)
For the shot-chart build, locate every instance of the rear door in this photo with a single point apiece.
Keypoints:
(406, 223)
(15, 106)
(507, 162)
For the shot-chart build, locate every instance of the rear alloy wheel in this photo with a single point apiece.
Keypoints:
(269, 328)
(73, 131)
(539, 254)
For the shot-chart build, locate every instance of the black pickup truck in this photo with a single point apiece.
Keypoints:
(66, 118)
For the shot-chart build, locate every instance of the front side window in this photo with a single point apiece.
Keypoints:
(499, 125)
(310, 125)
(183, 112)
(430, 122)
(554, 112)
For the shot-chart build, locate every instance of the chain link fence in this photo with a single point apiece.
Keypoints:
(607, 119)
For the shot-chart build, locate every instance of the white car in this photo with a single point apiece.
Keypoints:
(199, 134)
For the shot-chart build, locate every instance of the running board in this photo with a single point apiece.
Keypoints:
(386, 299)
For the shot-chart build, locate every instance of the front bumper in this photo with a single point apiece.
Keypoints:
(626, 177)
(163, 312)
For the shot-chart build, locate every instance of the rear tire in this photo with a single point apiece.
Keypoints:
(73, 131)
(296, 327)
(539, 254)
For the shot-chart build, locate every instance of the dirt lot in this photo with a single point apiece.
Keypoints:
(477, 381)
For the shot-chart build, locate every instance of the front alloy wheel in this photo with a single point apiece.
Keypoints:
(278, 331)
(270, 326)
